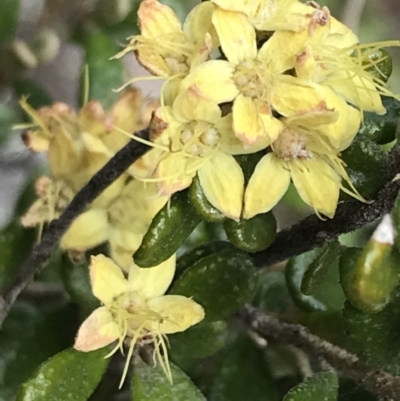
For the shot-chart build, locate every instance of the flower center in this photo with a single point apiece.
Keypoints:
(248, 79)
(291, 145)
(198, 138)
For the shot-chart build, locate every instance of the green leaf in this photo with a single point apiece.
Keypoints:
(221, 283)
(104, 74)
(243, 375)
(8, 117)
(69, 375)
(37, 96)
(150, 384)
(8, 18)
(351, 391)
(318, 270)
(29, 336)
(199, 341)
(366, 165)
(376, 337)
(382, 129)
(329, 295)
(321, 386)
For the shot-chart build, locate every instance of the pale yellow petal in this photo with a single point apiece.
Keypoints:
(222, 181)
(317, 184)
(232, 5)
(190, 105)
(87, 231)
(236, 34)
(97, 331)
(107, 279)
(266, 186)
(291, 95)
(156, 19)
(213, 80)
(151, 282)
(178, 313)
(36, 140)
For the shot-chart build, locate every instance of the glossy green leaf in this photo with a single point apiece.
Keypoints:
(69, 375)
(384, 65)
(376, 337)
(199, 341)
(252, 235)
(29, 336)
(366, 164)
(321, 386)
(243, 375)
(150, 383)
(8, 18)
(318, 270)
(329, 295)
(382, 129)
(220, 282)
(104, 74)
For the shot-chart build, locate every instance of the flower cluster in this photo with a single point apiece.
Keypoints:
(77, 145)
(242, 76)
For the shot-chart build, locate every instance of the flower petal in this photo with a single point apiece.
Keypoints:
(266, 186)
(232, 5)
(236, 34)
(156, 19)
(178, 312)
(87, 231)
(151, 282)
(213, 80)
(97, 331)
(317, 184)
(107, 279)
(222, 181)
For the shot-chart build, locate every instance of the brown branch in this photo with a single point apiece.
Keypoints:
(97, 184)
(312, 232)
(385, 386)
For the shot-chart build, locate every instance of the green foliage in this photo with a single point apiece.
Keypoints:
(69, 375)
(150, 383)
(321, 386)
(220, 282)
(8, 18)
(243, 374)
(252, 235)
(168, 230)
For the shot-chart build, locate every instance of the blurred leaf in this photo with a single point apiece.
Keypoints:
(29, 336)
(221, 283)
(376, 337)
(51, 272)
(351, 391)
(37, 96)
(321, 386)
(77, 283)
(69, 375)
(8, 117)
(243, 375)
(199, 341)
(150, 384)
(8, 18)
(366, 165)
(382, 129)
(329, 295)
(104, 74)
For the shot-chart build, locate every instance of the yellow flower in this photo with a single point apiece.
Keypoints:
(197, 139)
(269, 15)
(332, 56)
(253, 78)
(129, 218)
(165, 47)
(135, 309)
(306, 153)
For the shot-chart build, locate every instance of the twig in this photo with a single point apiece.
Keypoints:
(312, 232)
(41, 253)
(385, 386)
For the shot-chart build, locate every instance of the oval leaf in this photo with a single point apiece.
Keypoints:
(70, 375)
(150, 384)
